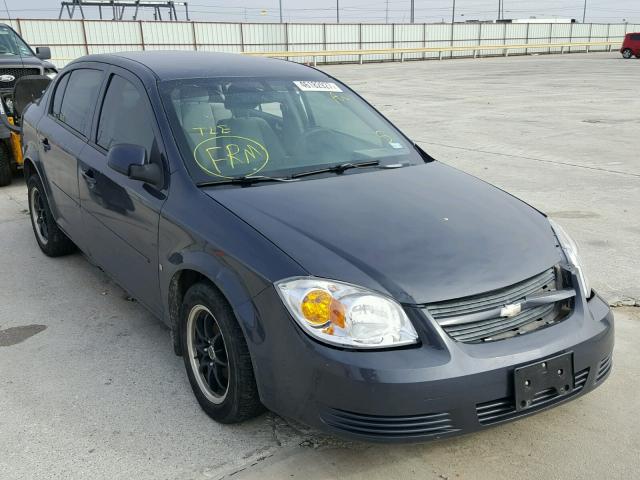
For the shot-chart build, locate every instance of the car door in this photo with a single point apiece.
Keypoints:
(120, 213)
(62, 135)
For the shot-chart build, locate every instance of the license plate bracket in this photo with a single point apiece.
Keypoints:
(553, 376)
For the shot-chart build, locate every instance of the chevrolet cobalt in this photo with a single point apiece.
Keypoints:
(307, 256)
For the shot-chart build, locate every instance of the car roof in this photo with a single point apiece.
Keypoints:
(173, 64)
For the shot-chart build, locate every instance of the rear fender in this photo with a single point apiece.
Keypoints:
(33, 166)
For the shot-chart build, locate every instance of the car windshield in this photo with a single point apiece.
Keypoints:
(12, 44)
(241, 127)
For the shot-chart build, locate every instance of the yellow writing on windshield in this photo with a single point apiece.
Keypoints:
(230, 156)
(339, 97)
(216, 130)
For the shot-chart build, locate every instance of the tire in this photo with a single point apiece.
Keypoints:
(6, 172)
(51, 240)
(216, 357)
(627, 54)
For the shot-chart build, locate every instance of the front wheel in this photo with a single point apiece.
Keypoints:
(216, 357)
(51, 240)
(627, 54)
(5, 165)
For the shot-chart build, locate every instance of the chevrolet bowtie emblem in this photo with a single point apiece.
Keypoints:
(511, 310)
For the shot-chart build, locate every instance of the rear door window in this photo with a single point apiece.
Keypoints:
(125, 117)
(635, 37)
(79, 99)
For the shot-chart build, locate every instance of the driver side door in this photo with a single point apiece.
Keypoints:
(121, 214)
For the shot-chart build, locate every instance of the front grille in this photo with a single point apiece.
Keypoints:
(505, 408)
(496, 327)
(427, 425)
(604, 367)
(17, 72)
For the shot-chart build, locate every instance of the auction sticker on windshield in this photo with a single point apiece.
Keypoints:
(310, 86)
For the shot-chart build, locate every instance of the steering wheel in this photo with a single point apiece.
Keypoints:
(317, 139)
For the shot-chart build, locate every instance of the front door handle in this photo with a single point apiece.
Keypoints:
(89, 176)
(45, 144)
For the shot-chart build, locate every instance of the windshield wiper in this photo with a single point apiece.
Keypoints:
(337, 168)
(245, 180)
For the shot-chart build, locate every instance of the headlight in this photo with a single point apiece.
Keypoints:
(346, 315)
(570, 249)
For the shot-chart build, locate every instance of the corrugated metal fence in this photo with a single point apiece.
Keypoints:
(70, 39)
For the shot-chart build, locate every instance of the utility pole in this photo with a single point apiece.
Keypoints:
(453, 17)
(413, 11)
(453, 21)
(337, 11)
(584, 12)
(280, 2)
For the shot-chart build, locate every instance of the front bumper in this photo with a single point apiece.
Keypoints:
(439, 389)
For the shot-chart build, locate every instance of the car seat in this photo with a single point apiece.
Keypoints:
(196, 114)
(242, 124)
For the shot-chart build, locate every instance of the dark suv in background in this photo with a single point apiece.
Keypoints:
(17, 60)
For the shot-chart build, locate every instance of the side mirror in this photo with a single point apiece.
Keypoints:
(131, 160)
(43, 53)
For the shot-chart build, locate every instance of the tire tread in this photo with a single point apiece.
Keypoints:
(243, 400)
(58, 243)
(6, 172)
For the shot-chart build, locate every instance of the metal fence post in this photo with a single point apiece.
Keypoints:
(241, 37)
(452, 40)
(286, 37)
(393, 40)
(18, 26)
(193, 36)
(504, 40)
(141, 35)
(424, 40)
(324, 39)
(84, 38)
(609, 35)
(550, 35)
(570, 36)
(475, 52)
(526, 50)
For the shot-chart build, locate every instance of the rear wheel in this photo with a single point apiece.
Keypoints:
(627, 53)
(51, 240)
(5, 165)
(216, 357)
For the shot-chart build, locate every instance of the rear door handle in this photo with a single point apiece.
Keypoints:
(45, 144)
(89, 176)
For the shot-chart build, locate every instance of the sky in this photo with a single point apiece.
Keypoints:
(356, 11)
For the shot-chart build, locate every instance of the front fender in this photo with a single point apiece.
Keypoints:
(237, 285)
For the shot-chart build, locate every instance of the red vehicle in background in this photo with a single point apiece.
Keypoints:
(631, 45)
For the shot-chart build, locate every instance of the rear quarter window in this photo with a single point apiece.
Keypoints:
(79, 98)
(58, 96)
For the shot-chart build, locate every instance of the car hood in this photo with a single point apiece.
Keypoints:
(24, 61)
(422, 233)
